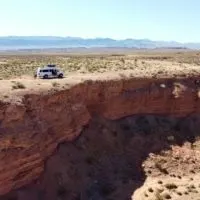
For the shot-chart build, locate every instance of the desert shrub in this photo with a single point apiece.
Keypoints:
(167, 196)
(122, 75)
(122, 60)
(158, 196)
(171, 186)
(145, 194)
(55, 84)
(161, 169)
(150, 189)
(18, 85)
(192, 186)
(179, 193)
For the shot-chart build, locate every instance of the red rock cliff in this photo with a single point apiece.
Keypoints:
(31, 130)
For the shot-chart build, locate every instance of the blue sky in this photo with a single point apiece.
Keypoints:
(154, 19)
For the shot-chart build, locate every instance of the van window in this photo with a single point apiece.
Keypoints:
(47, 70)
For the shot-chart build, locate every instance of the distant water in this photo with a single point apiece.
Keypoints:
(8, 48)
(12, 48)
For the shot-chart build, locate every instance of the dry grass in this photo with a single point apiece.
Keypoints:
(12, 66)
(15, 66)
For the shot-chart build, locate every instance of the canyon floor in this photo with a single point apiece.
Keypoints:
(122, 153)
(139, 157)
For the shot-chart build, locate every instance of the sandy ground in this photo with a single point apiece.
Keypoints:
(181, 189)
(173, 175)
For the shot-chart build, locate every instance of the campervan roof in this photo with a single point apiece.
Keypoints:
(51, 65)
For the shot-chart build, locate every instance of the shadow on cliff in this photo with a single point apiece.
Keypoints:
(105, 162)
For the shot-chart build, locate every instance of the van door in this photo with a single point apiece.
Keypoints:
(50, 73)
(54, 72)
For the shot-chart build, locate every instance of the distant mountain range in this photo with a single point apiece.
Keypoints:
(44, 42)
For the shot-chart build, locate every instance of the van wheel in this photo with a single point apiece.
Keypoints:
(60, 76)
(45, 76)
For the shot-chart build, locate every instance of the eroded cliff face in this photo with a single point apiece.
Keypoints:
(32, 129)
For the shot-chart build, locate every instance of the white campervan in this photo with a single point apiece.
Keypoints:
(49, 71)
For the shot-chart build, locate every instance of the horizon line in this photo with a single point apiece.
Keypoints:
(98, 37)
